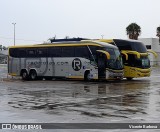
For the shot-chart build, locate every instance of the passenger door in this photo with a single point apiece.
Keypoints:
(101, 65)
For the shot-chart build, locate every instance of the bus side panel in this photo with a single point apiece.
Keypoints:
(14, 66)
(127, 71)
(22, 64)
(76, 68)
(50, 68)
(61, 67)
(38, 64)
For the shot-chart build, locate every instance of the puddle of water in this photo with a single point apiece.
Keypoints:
(105, 101)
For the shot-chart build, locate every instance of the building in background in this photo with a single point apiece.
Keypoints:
(153, 44)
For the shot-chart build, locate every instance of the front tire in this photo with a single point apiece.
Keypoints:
(87, 76)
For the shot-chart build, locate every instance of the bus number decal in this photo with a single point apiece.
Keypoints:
(76, 64)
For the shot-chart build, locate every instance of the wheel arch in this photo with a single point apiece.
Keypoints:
(87, 71)
(33, 69)
(22, 70)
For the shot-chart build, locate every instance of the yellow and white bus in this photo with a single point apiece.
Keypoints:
(135, 57)
(73, 59)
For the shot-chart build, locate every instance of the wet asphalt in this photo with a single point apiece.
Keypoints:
(62, 101)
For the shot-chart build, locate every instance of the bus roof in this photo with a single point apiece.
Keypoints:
(112, 40)
(127, 40)
(73, 43)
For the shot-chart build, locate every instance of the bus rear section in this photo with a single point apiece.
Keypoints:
(85, 60)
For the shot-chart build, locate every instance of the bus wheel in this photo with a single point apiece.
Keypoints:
(87, 76)
(129, 78)
(24, 75)
(33, 75)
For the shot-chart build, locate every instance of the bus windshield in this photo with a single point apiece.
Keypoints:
(115, 61)
(131, 45)
(143, 62)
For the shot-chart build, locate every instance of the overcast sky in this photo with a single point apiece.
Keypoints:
(38, 20)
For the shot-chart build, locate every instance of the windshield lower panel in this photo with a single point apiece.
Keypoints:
(143, 62)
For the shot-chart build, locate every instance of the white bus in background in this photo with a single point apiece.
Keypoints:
(73, 59)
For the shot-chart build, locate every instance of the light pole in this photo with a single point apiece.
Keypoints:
(14, 32)
(102, 36)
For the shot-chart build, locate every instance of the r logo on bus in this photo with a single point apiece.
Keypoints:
(76, 64)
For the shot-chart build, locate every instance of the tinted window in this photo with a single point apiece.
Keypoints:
(19, 53)
(131, 60)
(41, 52)
(31, 52)
(13, 52)
(123, 45)
(82, 52)
(94, 52)
(67, 51)
(54, 52)
(93, 49)
(111, 52)
(22, 53)
(131, 45)
(138, 46)
(148, 46)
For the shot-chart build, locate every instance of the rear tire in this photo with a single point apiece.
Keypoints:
(33, 75)
(24, 75)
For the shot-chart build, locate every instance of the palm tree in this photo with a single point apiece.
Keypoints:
(133, 31)
(158, 33)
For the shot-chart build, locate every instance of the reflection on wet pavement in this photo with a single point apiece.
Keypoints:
(96, 101)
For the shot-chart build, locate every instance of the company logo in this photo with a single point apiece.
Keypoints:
(76, 64)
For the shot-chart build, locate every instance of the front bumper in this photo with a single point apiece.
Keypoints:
(114, 74)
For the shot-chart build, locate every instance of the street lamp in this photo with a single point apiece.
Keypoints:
(102, 36)
(14, 32)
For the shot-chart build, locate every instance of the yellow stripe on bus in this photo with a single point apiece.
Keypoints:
(13, 74)
(54, 45)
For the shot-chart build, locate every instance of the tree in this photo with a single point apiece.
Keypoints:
(158, 33)
(133, 31)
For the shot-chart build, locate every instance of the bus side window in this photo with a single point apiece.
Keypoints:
(82, 51)
(13, 52)
(31, 52)
(94, 52)
(54, 52)
(67, 51)
(22, 53)
(41, 52)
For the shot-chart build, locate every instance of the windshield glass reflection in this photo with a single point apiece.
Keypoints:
(115, 60)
